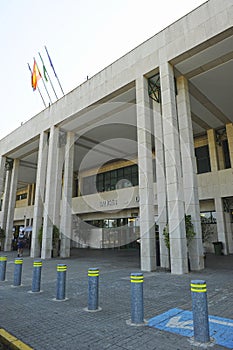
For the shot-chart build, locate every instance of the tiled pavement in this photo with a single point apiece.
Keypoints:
(46, 324)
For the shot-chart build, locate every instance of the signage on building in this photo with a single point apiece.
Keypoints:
(108, 203)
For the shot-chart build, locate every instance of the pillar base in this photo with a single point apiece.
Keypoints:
(129, 323)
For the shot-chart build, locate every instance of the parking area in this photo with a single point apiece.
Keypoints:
(46, 324)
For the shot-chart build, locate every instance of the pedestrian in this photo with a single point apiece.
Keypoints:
(21, 242)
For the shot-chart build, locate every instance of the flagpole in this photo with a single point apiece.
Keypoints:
(48, 75)
(43, 81)
(54, 70)
(37, 87)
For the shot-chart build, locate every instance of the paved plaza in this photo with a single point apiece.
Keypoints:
(45, 324)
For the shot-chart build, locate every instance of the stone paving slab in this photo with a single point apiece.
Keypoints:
(45, 324)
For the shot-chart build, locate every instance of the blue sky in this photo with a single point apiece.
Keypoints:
(82, 38)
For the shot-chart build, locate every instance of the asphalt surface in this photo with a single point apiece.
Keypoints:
(46, 324)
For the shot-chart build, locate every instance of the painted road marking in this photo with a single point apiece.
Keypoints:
(174, 322)
(181, 322)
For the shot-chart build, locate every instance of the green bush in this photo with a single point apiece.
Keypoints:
(2, 233)
(190, 233)
(56, 235)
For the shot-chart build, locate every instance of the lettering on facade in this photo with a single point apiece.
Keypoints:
(108, 203)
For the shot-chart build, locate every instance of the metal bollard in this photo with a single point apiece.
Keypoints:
(3, 260)
(93, 289)
(18, 272)
(61, 282)
(200, 311)
(137, 307)
(36, 278)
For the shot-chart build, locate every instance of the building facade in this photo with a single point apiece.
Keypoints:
(135, 149)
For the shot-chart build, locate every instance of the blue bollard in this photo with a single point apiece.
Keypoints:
(61, 282)
(137, 307)
(3, 260)
(93, 289)
(36, 278)
(18, 272)
(200, 311)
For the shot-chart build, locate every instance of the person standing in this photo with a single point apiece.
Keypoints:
(21, 242)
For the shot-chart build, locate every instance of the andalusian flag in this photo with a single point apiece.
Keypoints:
(44, 68)
(35, 75)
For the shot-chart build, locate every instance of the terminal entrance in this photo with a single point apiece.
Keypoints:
(111, 234)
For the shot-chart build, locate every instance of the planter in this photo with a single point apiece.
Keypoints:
(218, 246)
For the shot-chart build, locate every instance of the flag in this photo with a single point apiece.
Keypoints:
(44, 68)
(51, 63)
(35, 75)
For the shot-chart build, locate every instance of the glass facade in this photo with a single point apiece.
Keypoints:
(21, 196)
(203, 159)
(226, 154)
(111, 180)
(209, 217)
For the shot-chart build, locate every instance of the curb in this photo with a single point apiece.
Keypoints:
(12, 342)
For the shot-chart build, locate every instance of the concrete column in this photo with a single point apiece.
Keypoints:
(33, 194)
(176, 215)
(161, 182)
(11, 206)
(212, 149)
(39, 194)
(189, 170)
(58, 179)
(66, 212)
(229, 232)
(50, 194)
(229, 129)
(2, 174)
(221, 224)
(6, 195)
(146, 204)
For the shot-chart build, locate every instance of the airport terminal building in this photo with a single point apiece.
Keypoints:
(139, 147)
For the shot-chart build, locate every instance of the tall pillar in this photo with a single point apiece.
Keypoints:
(212, 149)
(146, 203)
(229, 129)
(229, 231)
(58, 179)
(11, 206)
(176, 216)
(161, 183)
(33, 194)
(50, 193)
(67, 191)
(39, 194)
(190, 186)
(221, 225)
(6, 195)
(2, 174)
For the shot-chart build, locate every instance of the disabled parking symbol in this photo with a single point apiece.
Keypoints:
(181, 322)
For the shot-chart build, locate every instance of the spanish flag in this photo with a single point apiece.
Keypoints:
(35, 75)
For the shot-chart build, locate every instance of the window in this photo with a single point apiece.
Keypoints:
(21, 196)
(112, 223)
(111, 180)
(226, 154)
(209, 217)
(203, 159)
